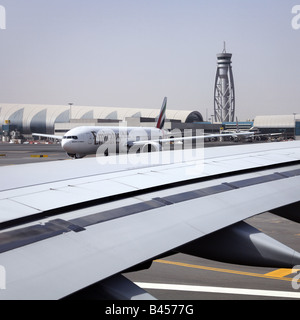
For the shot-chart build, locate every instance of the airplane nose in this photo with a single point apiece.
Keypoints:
(66, 145)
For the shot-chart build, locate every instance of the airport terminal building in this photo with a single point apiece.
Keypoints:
(58, 119)
(288, 125)
(27, 118)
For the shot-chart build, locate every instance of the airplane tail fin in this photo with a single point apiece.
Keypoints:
(162, 115)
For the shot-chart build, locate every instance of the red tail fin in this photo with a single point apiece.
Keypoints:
(162, 115)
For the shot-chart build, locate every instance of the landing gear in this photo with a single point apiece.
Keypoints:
(71, 155)
(76, 155)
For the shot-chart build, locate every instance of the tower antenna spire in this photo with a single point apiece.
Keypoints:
(224, 48)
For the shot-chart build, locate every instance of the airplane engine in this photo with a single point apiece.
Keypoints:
(151, 147)
(245, 245)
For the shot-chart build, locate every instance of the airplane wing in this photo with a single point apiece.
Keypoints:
(187, 138)
(66, 225)
(268, 134)
(52, 136)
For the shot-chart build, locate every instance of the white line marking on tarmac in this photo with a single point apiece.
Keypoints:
(252, 292)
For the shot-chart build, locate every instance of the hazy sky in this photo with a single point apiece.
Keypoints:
(132, 53)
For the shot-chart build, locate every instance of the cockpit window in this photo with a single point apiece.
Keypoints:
(70, 137)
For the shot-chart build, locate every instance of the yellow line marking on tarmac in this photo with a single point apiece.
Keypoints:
(279, 273)
(38, 156)
(257, 275)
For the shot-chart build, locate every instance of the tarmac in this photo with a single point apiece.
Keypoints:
(13, 154)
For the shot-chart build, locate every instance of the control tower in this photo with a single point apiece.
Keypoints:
(224, 97)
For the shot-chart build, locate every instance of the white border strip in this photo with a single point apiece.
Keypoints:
(252, 292)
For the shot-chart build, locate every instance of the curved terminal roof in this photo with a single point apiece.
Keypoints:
(276, 121)
(41, 118)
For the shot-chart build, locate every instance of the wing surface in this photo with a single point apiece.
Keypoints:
(75, 223)
(202, 137)
(52, 136)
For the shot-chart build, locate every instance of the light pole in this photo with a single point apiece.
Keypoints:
(294, 125)
(70, 111)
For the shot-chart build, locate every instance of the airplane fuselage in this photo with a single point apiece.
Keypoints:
(82, 141)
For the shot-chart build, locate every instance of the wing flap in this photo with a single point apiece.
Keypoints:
(11, 210)
(55, 198)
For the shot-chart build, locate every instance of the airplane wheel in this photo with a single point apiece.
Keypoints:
(71, 155)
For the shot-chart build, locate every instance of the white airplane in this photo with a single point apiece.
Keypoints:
(86, 140)
(248, 135)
